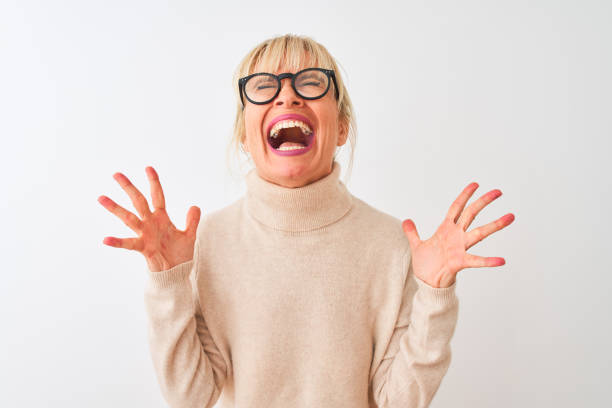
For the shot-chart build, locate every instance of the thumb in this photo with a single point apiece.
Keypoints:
(411, 233)
(193, 219)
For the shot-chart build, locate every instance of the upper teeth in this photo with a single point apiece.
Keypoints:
(283, 124)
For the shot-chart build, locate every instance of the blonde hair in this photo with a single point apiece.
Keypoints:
(293, 52)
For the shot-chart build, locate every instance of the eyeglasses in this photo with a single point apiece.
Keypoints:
(309, 83)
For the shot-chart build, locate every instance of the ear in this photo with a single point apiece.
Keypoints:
(342, 131)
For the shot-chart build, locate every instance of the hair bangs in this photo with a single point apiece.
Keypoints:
(287, 55)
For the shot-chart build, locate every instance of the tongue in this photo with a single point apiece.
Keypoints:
(287, 144)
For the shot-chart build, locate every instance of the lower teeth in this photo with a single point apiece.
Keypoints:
(291, 147)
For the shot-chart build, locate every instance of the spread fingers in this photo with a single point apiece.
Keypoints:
(139, 201)
(457, 207)
(478, 234)
(128, 218)
(126, 243)
(157, 194)
(473, 209)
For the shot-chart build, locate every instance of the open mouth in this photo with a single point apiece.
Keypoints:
(290, 135)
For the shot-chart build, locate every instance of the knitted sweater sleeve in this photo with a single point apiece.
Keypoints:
(189, 367)
(419, 353)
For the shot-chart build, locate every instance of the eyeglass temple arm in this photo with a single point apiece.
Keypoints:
(240, 82)
(333, 76)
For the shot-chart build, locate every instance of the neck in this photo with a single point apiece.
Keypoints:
(293, 182)
(304, 208)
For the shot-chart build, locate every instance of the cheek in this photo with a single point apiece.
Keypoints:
(253, 120)
(331, 128)
(328, 115)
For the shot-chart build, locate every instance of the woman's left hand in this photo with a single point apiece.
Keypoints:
(438, 260)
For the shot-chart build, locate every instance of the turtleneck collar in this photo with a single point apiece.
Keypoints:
(305, 208)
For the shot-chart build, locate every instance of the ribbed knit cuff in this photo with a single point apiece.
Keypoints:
(171, 277)
(438, 296)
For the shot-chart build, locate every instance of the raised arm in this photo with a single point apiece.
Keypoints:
(419, 353)
(189, 367)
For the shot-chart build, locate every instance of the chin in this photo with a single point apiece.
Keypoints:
(291, 173)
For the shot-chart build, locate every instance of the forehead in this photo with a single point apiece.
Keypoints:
(288, 62)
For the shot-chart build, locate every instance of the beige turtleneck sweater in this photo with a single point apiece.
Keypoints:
(299, 298)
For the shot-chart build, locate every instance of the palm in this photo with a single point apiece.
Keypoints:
(437, 260)
(161, 243)
(443, 253)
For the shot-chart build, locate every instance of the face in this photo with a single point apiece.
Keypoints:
(299, 166)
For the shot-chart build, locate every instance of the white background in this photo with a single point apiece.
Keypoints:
(515, 95)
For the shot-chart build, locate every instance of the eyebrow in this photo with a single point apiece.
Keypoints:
(310, 76)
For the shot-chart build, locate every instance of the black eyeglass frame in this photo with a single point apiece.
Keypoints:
(329, 72)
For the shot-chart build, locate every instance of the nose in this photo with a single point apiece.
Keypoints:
(287, 95)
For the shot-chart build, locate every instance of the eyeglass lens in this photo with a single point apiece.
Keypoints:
(308, 84)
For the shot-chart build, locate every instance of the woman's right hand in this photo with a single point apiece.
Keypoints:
(161, 243)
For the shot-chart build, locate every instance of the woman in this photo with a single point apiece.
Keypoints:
(299, 294)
